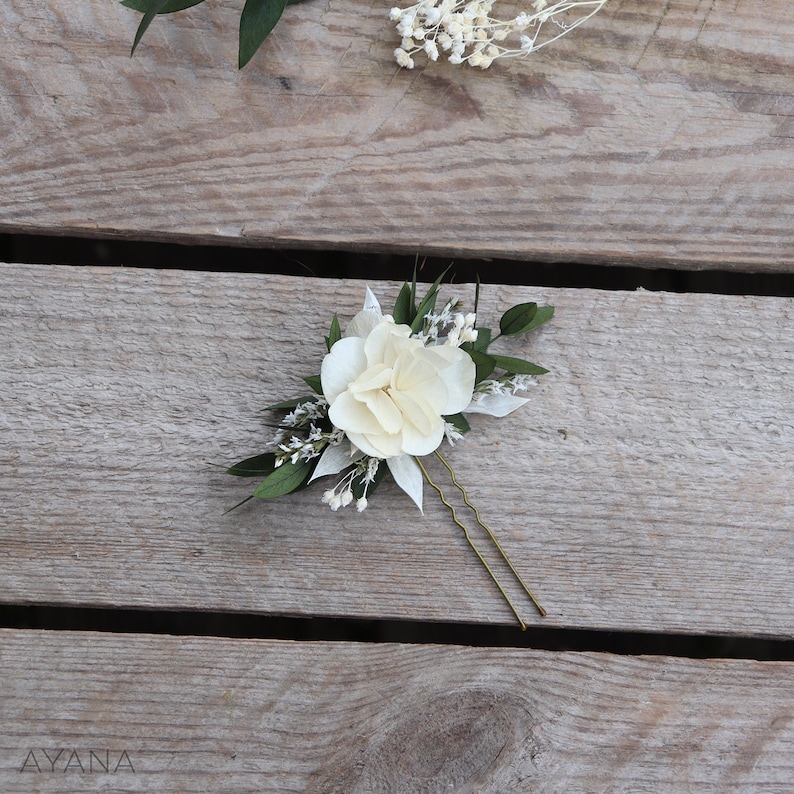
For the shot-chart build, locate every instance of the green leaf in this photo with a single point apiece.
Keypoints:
(459, 422)
(153, 8)
(427, 304)
(524, 317)
(544, 314)
(484, 363)
(335, 335)
(168, 8)
(258, 466)
(292, 403)
(517, 365)
(315, 383)
(259, 17)
(285, 479)
(404, 309)
(517, 319)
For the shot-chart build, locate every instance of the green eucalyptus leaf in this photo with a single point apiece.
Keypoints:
(518, 319)
(524, 317)
(335, 335)
(153, 8)
(427, 304)
(517, 365)
(292, 403)
(259, 17)
(168, 8)
(544, 314)
(258, 466)
(404, 309)
(484, 363)
(314, 382)
(285, 479)
(459, 422)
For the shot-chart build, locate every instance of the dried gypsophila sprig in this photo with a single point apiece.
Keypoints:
(390, 391)
(466, 31)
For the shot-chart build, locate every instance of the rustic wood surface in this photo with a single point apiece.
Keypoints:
(204, 715)
(658, 133)
(647, 486)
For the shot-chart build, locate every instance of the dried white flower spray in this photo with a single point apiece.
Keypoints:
(466, 31)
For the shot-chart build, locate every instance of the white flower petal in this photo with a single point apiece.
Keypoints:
(371, 302)
(459, 378)
(496, 404)
(415, 442)
(382, 344)
(335, 458)
(389, 416)
(388, 392)
(364, 323)
(369, 317)
(417, 413)
(353, 416)
(408, 476)
(343, 364)
(377, 445)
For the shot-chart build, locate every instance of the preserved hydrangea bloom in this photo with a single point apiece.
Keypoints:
(389, 392)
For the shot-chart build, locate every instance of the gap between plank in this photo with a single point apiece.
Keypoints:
(43, 249)
(324, 629)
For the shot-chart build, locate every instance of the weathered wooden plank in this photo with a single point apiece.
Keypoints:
(250, 715)
(646, 487)
(659, 133)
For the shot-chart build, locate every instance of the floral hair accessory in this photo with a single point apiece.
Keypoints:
(391, 390)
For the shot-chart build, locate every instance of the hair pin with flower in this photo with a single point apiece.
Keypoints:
(391, 390)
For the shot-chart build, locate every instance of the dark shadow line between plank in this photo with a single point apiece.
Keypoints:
(326, 629)
(43, 249)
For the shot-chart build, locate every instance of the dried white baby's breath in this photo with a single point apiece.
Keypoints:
(466, 31)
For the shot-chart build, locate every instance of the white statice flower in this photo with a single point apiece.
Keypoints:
(467, 30)
(452, 433)
(389, 392)
(341, 495)
(298, 437)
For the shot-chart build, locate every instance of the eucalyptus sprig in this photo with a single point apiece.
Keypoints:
(258, 18)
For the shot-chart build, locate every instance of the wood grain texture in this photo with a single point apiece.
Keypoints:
(660, 133)
(647, 486)
(197, 715)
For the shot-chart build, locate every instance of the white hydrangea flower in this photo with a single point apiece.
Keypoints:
(389, 392)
